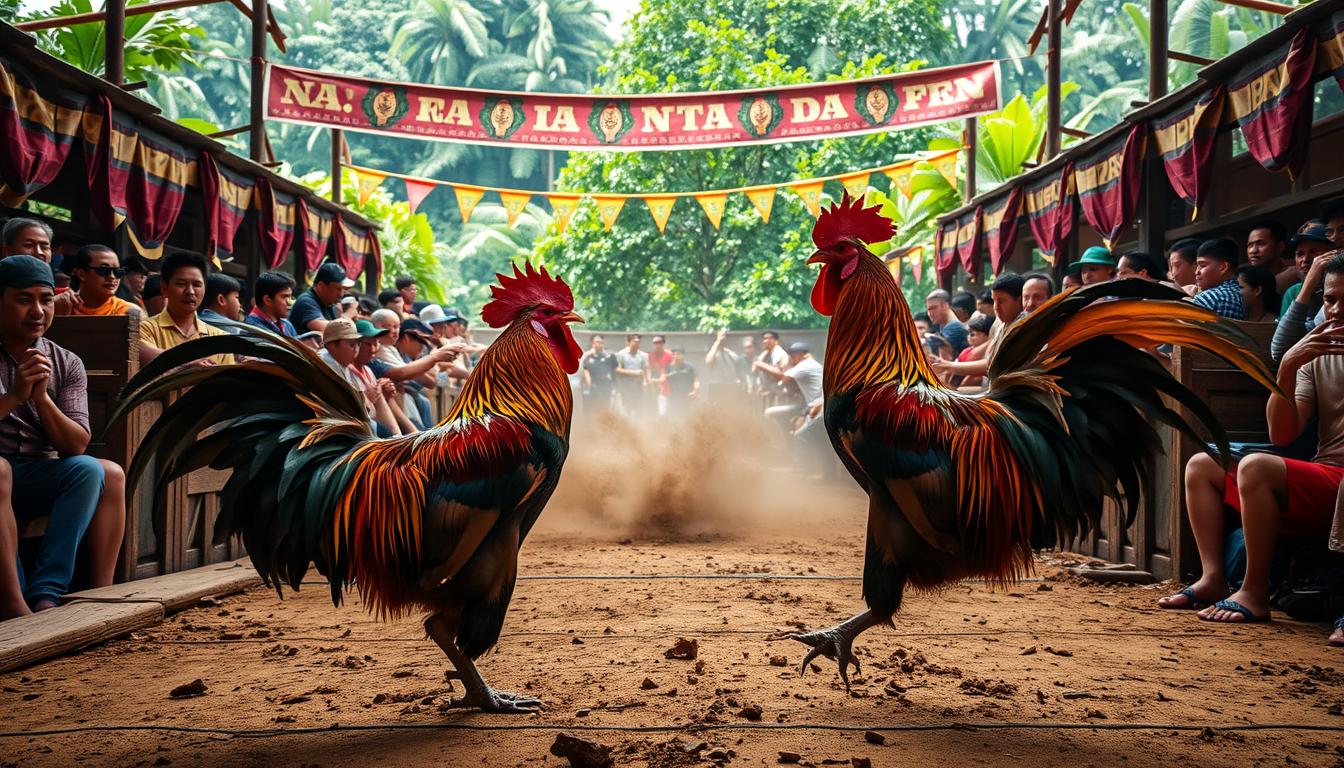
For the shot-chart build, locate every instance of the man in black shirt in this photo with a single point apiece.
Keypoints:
(320, 304)
(599, 376)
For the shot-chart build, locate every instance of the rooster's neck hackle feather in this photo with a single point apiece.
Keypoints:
(873, 339)
(520, 378)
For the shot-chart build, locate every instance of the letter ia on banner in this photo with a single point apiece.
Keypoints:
(660, 208)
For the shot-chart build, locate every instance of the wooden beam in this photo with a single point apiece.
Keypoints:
(1157, 49)
(337, 141)
(99, 16)
(971, 140)
(1190, 58)
(136, 86)
(1262, 5)
(1035, 39)
(230, 132)
(114, 42)
(257, 143)
(273, 26)
(1054, 22)
(1074, 132)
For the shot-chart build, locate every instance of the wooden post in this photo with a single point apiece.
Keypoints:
(257, 144)
(337, 140)
(1157, 49)
(114, 43)
(971, 143)
(1054, 22)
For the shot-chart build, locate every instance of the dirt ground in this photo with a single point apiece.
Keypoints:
(1050, 672)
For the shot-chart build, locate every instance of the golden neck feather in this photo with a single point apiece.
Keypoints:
(873, 339)
(519, 377)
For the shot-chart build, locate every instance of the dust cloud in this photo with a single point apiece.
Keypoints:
(718, 472)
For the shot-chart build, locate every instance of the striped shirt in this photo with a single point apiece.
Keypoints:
(22, 435)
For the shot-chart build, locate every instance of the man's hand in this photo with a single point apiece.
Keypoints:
(1314, 279)
(814, 410)
(1324, 339)
(722, 334)
(374, 392)
(387, 387)
(30, 381)
(449, 352)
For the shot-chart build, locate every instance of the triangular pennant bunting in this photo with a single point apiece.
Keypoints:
(368, 181)
(608, 208)
(900, 177)
(946, 164)
(514, 203)
(916, 257)
(417, 191)
(856, 184)
(763, 200)
(467, 198)
(894, 267)
(810, 192)
(562, 207)
(713, 204)
(660, 208)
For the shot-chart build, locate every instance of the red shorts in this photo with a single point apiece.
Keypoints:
(1312, 490)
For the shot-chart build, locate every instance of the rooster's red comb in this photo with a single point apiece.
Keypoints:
(524, 290)
(849, 219)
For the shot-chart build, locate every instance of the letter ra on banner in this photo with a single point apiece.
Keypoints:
(713, 204)
(810, 192)
(467, 198)
(562, 207)
(763, 200)
(660, 208)
(514, 203)
(608, 208)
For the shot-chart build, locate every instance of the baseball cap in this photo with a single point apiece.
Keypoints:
(419, 330)
(348, 300)
(340, 329)
(331, 272)
(798, 348)
(25, 272)
(1095, 255)
(1308, 235)
(368, 330)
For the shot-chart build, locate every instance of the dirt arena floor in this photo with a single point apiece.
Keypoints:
(1051, 672)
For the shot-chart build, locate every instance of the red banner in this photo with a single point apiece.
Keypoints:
(1186, 138)
(356, 247)
(999, 221)
(1272, 99)
(227, 197)
(945, 248)
(968, 241)
(1108, 183)
(633, 122)
(1050, 210)
(1330, 48)
(37, 131)
(281, 218)
(317, 227)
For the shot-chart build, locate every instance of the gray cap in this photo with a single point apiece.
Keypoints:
(798, 348)
(25, 272)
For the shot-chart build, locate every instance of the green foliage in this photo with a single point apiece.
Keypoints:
(487, 245)
(157, 44)
(745, 273)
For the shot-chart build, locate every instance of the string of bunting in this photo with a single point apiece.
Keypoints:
(660, 204)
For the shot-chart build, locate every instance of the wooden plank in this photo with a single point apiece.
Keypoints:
(30, 639)
(176, 591)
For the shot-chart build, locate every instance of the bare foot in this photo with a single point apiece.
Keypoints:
(1337, 637)
(1194, 597)
(1255, 608)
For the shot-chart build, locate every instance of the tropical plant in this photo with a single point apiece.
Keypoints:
(156, 44)
(1205, 28)
(486, 245)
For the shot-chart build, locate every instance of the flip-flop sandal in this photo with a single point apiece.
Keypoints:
(1232, 605)
(1192, 603)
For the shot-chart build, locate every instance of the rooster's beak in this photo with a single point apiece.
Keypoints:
(817, 258)
(571, 317)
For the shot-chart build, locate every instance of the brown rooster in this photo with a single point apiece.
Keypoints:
(968, 485)
(431, 521)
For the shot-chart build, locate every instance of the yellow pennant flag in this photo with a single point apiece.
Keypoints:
(900, 176)
(368, 181)
(562, 207)
(916, 257)
(609, 207)
(894, 267)
(946, 164)
(660, 208)
(514, 203)
(856, 184)
(763, 200)
(810, 192)
(467, 198)
(713, 204)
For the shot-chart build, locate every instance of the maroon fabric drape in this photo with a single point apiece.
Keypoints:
(1108, 183)
(968, 241)
(1050, 210)
(1186, 137)
(37, 131)
(227, 198)
(1330, 48)
(317, 232)
(999, 222)
(279, 217)
(1272, 99)
(945, 248)
(355, 247)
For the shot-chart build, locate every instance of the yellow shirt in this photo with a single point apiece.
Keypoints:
(68, 304)
(160, 331)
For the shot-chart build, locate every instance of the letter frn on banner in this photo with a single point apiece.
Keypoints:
(913, 94)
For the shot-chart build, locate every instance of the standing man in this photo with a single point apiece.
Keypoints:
(632, 377)
(598, 368)
(222, 302)
(683, 385)
(1036, 290)
(44, 431)
(94, 280)
(804, 374)
(320, 304)
(659, 359)
(938, 305)
(1267, 246)
(28, 237)
(727, 368)
(1216, 276)
(183, 279)
(271, 311)
(1096, 266)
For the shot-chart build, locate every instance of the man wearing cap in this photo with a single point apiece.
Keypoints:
(320, 304)
(44, 430)
(804, 372)
(442, 324)
(1096, 266)
(1216, 276)
(27, 237)
(418, 357)
(342, 339)
(1303, 304)
(183, 280)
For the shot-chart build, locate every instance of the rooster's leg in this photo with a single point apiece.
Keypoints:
(479, 693)
(837, 643)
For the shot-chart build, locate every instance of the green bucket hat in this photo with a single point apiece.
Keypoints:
(368, 330)
(1095, 255)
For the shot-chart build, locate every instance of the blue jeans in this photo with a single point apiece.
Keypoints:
(66, 491)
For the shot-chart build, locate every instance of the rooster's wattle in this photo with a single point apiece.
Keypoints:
(431, 521)
(968, 485)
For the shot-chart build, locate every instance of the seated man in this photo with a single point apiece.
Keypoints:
(1300, 310)
(320, 304)
(804, 373)
(342, 342)
(1036, 290)
(222, 303)
(1181, 265)
(1274, 495)
(1268, 246)
(27, 237)
(44, 430)
(271, 312)
(1006, 305)
(1097, 265)
(183, 279)
(1216, 276)
(95, 277)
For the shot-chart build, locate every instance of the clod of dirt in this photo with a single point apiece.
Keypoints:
(1097, 713)
(576, 641)
(1058, 651)
(194, 688)
(873, 737)
(999, 689)
(779, 661)
(648, 684)
(751, 712)
(700, 667)
(861, 762)
(683, 649)
(790, 758)
(581, 753)
(1028, 651)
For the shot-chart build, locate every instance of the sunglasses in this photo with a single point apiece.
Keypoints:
(117, 272)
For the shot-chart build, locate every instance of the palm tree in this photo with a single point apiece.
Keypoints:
(440, 40)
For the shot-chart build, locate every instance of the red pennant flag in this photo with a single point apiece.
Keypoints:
(417, 191)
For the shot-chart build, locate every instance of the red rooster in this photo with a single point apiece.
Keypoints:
(968, 485)
(431, 521)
